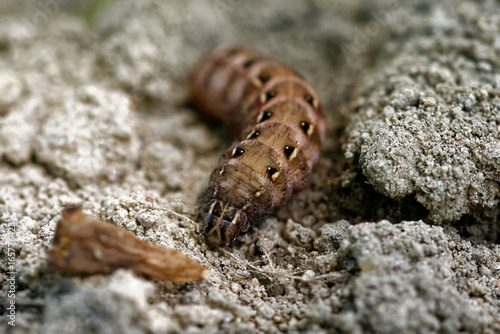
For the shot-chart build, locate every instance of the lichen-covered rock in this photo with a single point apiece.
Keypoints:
(428, 121)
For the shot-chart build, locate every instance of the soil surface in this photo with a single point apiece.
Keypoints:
(398, 232)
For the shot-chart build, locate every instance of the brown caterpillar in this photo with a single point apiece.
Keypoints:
(279, 125)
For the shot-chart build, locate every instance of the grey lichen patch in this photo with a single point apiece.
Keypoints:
(428, 122)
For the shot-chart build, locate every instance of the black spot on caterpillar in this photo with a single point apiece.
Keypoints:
(279, 126)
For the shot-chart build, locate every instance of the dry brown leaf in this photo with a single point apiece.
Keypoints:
(83, 244)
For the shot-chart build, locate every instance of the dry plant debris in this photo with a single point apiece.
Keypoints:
(83, 244)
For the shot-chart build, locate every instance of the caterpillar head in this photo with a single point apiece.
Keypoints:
(223, 223)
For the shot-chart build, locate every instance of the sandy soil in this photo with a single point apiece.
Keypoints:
(398, 232)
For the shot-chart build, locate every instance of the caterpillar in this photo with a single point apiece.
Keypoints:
(279, 125)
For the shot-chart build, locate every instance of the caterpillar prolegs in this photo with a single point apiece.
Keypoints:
(279, 126)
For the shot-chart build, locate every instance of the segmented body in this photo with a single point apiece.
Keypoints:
(279, 125)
